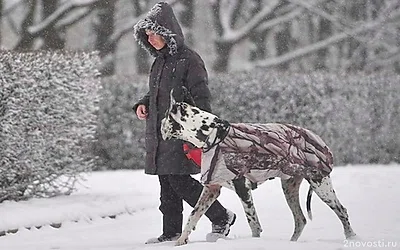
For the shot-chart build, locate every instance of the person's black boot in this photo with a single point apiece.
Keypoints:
(163, 238)
(222, 228)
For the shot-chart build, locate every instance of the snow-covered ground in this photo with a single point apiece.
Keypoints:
(370, 193)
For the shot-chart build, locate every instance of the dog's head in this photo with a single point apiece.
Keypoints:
(186, 122)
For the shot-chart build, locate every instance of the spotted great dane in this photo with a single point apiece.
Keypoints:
(241, 156)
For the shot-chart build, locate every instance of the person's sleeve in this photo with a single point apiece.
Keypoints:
(142, 101)
(197, 82)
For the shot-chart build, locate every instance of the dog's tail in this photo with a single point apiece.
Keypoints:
(308, 203)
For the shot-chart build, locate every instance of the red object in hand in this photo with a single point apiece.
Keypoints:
(193, 154)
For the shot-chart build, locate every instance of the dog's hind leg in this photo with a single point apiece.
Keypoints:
(206, 199)
(242, 187)
(291, 188)
(324, 189)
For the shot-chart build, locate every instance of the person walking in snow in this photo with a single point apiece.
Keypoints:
(175, 65)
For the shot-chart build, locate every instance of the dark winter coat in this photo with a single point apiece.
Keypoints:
(174, 66)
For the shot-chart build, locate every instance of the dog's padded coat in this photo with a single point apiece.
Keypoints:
(263, 151)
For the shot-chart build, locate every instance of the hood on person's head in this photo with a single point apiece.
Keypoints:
(162, 21)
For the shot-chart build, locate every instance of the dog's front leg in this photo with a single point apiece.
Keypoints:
(206, 199)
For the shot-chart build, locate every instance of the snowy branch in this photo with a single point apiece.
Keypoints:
(389, 60)
(340, 24)
(68, 21)
(231, 36)
(10, 9)
(227, 15)
(323, 44)
(279, 20)
(62, 11)
(322, 13)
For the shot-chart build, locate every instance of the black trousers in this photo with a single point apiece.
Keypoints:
(175, 189)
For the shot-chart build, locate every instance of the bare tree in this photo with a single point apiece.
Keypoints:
(282, 42)
(141, 55)
(186, 17)
(356, 53)
(225, 16)
(26, 39)
(298, 34)
(52, 38)
(56, 20)
(1, 11)
(104, 28)
(334, 39)
(230, 32)
(324, 31)
(258, 38)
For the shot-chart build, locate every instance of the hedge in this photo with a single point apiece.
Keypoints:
(48, 108)
(356, 114)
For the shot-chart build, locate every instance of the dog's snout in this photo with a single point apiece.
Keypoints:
(164, 137)
(164, 129)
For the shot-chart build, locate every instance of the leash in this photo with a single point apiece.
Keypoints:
(221, 134)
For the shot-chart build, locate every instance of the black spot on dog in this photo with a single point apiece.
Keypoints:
(195, 111)
(241, 190)
(204, 127)
(175, 126)
(201, 136)
(183, 111)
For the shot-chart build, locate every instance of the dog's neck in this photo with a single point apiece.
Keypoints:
(203, 129)
(217, 134)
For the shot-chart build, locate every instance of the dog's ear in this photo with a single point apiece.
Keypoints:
(171, 98)
(181, 94)
(187, 97)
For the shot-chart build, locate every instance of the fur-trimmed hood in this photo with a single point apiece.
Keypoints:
(160, 19)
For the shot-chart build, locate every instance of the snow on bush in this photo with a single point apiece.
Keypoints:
(356, 114)
(48, 106)
(120, 135)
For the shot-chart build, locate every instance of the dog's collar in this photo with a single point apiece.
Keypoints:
(222, 132)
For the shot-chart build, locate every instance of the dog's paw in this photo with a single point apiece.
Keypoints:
(353, 237)
(181, 241)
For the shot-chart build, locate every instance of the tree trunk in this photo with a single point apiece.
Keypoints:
(141, 55)
(104, 28)
(259, 49)
(324, 31)
(1, 11)
(53, 39)
(223, 51)
(357, 52)
(282, 42)
(187, 18)
(26, 40)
